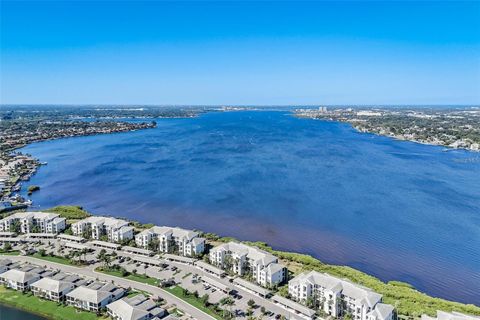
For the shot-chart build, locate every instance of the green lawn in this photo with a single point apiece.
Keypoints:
(10, 253)
(196, 302)
(56, 259)
(137, 277)
(42, 307)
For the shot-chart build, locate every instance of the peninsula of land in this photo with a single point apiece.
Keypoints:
(22, 125)
(457, 128)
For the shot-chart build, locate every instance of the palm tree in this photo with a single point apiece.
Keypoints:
(84, 253)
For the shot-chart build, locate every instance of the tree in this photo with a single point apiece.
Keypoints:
(7, 246)
(84, 253)
(227, 301)
(107, 259)
(227, 314)
(101, 254)
(263, 310)
(204, 299)
(42, 252)
(87, 234)
(16, 226)
(251, 303)
(154, 244)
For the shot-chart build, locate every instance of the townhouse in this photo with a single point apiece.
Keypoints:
(20, 277)
(95, 296)
(172, 240)
(443, 315)
(138, 307)
(246, 260)
(337, 297)
(5, 265)
(56, 287)
(116, 230)
(33, 222)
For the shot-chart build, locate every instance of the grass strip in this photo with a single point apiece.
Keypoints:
(45, 308)
(190, 299)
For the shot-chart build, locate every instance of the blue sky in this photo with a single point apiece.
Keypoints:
(226, 52)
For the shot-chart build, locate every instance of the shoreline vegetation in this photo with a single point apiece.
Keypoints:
(453, 128)
(409, 302)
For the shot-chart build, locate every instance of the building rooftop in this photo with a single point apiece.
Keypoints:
(107, 221)
(94, 292)
(19, 275)
(137, 250)
(32, 215)
(346, 287)
(208, 267)
(134, 308)
(106, 244)
(381, 311)
(173, 231)
(251, 286)
(70, 237)
(50, 284)
(252, 253)
(293, 305)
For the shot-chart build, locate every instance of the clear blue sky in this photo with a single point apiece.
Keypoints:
(262, 53)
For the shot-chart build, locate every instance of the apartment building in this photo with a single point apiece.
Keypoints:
(443, 315)
(138, 307)
(337, 297)
(242, 259)
(116, 230)
(172, 240)
(94, 296)
(30, 222)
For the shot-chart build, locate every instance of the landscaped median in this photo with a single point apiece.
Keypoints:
(49, 309)
(197, 302)
(121, 273)
(56, 259)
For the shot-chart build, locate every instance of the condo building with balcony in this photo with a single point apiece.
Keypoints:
(338, 297)
(246, 260)
(172, 240)
(33, 222)
(116, 230)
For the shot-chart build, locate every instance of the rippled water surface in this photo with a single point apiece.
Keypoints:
(7, 313)
(398, 210)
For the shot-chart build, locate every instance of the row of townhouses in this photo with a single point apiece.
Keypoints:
(116, 230)
(172, 240)
(41, 222)
(246, 260)
(337, 297)
(73, 290)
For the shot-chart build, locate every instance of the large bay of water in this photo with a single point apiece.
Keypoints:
(398, 210)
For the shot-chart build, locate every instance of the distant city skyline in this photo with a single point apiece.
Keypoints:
(240, 53)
